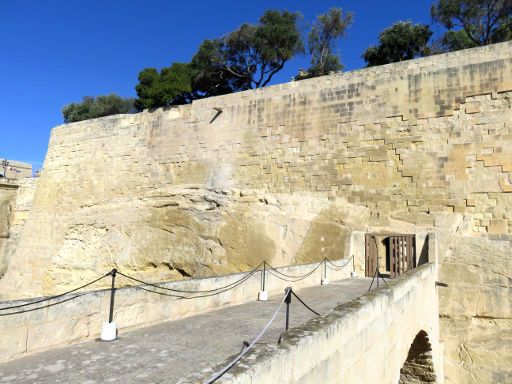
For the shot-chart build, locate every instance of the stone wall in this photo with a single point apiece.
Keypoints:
(476, 309)
(283, 174)
(15, 203)
(14, 170)
(81, 318)
(367, 340)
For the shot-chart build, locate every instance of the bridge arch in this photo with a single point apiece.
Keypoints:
(418, 368)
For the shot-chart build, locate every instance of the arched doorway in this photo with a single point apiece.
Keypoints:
(418, 368)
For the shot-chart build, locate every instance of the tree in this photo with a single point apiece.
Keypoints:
(92, 107)
(324, 33)
(473, 23)
(171, 86)
(401, 41)
(248, 57)
(453, 41)
(211, 77)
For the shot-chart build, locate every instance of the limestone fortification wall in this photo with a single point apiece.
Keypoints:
(285, 174)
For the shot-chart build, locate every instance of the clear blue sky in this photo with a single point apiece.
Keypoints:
(55, 52)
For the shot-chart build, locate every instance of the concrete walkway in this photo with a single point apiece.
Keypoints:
(167, 352)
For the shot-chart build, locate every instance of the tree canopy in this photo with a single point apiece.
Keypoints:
(473, 23)
(401, 41)
(325, 31)
(172, 85)
(249, 56)
(92, 107)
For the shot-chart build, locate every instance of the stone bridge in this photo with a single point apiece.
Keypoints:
(384, 335)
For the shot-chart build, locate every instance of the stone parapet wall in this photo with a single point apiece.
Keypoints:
(81, 318)
(366, 340)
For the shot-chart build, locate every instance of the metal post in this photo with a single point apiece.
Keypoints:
(262, 295)
(325, 267)
(378, 270)
(264, 275)
(112, 295)
(288, 300)
(353, 264)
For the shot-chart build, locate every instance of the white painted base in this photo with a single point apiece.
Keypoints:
(109, 331)
(263, 296)
(325, 281)
(353, 274)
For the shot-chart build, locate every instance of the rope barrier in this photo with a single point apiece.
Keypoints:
(179, 294)
(219, 374)
(56, 296)
(155, 285)
(207, 293)
(335, 267)
(304, 304)
(43, 307)
(293, 278)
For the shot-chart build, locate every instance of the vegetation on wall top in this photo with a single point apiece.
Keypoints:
(251, 55)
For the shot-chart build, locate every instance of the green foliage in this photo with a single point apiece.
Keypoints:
(92, 107)
(171, 86)
(324, 33)
(211, 78)
(454, 41)
(247, 57)
(401, 41)
(473, 23)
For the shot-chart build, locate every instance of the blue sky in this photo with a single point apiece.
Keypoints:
(55, 52)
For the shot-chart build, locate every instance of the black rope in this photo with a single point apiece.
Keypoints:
(304, 304)
(207, 293)
(186, 291)
(301, 277)
(43, 307)
(291, 280)
(57, 296)
(337, 267)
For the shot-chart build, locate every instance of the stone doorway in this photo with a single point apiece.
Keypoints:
(392, 254)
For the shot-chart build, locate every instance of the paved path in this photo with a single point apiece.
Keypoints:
(172, 350)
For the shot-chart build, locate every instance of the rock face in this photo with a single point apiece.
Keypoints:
(476, 310)
(284, 174)
(15, 203)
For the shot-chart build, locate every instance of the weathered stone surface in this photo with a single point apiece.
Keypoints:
(476, 310)
(284, 174)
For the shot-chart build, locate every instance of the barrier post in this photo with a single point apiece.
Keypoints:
(325, 280)
(112, 296)
(262, 295)
(109, 330)
(353, 273)
(288, 300)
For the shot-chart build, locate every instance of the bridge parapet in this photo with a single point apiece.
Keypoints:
(363, 341)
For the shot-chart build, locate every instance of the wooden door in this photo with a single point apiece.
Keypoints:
(402, 254)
